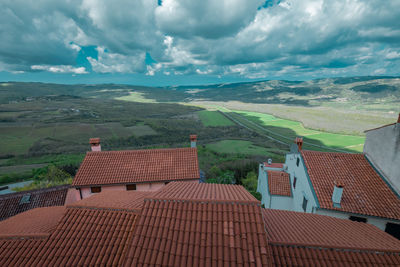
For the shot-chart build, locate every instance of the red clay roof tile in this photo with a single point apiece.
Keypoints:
(136, 166)
(46, 197)
(87, 237)
(364, 191)
(299, 228)
(35, 222)
(122, 200)
(279, 183)
(191, 190)
(199, 233)
(274, 165)
(304, 239)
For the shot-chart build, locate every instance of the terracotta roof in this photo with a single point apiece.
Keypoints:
(364, 190)
(86, 237)
(284, 255)
(16, 252)
(136, 166)
(304, 239)
(193, 191)
(274, 165)
(279, 183)
(199, 233)
(123, 200)
(35, 222)
(305, 229)
(10, 204)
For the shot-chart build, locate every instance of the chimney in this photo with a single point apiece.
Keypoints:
(299, 142)
(398, 119)
(337, 193)
(269, 161)
(95, 144)
(193, 140)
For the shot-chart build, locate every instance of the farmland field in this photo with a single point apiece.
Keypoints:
(239, 147)
(213, 118)
(291, 129)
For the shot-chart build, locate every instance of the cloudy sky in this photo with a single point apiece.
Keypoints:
(167, 42)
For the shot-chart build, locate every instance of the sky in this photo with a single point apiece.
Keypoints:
(180, 42)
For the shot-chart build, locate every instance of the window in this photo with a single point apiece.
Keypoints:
(393, 229)
(95, 189)
(25, 199)
(130, 187)
(297, 162)
(294, 182)
(358, 219)
(305, 203)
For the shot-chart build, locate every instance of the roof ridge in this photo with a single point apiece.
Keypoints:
(24, 236)
(338, 248)
(215, 201)
(103, 208)
(140, 150)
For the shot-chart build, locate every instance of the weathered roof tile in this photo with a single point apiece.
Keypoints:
(136, 166)
(364, 190)
(279, 183)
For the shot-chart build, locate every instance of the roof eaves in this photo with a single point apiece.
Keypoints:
(357, 214)
(380, 127)
(338, 248)
(140, 182)
(309, 180)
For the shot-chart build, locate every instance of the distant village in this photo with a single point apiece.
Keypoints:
(153, 208)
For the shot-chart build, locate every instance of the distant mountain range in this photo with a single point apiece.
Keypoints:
(379, 92)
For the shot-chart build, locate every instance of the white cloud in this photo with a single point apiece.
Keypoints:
(60, 69)
(228, 36)
(114, 62)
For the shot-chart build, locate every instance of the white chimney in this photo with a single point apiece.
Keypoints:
(193, 140)
(95, 144)
(337, 192)
(269, 161)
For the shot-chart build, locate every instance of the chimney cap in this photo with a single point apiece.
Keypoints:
(299, 142)
(94, 141)
(193, 137)
(339, 183)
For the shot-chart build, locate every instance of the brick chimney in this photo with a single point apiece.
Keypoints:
(337, 193)
(193, 140)
(299, 142)
(398, 119)
(95, 144)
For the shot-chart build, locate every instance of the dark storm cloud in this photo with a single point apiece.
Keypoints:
(248, 38)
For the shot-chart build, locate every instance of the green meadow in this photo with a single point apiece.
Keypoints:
(213, 118)
(238, 147)
(291, 129)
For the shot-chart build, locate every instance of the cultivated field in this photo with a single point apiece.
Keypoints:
(239, 147)
(213, 118)
(291, 129)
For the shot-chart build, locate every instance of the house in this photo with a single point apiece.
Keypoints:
(382, 149)
(15, 203)
(188, 224)
(341, 185)
(142, 170)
